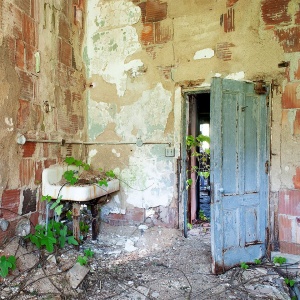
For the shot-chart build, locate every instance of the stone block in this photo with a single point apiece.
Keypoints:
(76, 275)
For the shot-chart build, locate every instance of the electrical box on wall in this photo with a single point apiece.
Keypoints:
(170, 151)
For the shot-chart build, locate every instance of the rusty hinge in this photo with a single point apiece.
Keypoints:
(267, 167)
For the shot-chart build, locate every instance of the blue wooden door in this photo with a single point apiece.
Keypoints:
(239, 180)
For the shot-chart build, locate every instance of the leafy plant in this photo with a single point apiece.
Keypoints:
(55, 234)
(88, 252)
(189, 226)
(193, 144)
(104, 181)
(244, 266)
(82, 260)
(289, 282)
(72, 161)
(279, 260)
(257, 261)
(83, 227)
(71, 176)
(202, 216)
(57, 206)
(6, 264)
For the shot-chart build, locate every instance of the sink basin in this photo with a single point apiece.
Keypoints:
(51, 176)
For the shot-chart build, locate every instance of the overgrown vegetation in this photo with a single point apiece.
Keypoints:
(7, 264)
(55, 235)
(195, 146)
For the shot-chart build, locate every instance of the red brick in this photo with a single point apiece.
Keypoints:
(24, 5)
(297, 18)
(291, 248)
(289, 202)
(147, 35)
(143, 11)
(296, 178)
(229, 20)
(20, 54)
(27, 171)
(68, 100)
(10, 203)
(28, 149)
(297, 123)
(23, 113)
(230, 3)
(289, 96)
(17, 18)
(10, 44)
(33, 8)
(162, 33)
(155, 11)
(64, 29)
(275, 12)
(49, 162)
(62, 74)
(27, 86)
(223, 51)
(285, 228)
(65, 53)
(30, 58)
(9, 233)
(289, 39)
(36, 116)
(34, 218)
(29, 30)
(63, 121)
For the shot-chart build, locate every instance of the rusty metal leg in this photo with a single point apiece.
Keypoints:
(76, 217)
(95, 226)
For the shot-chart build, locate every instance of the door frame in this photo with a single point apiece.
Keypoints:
(186, 92)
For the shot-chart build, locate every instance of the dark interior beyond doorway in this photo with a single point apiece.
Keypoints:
(199, 121)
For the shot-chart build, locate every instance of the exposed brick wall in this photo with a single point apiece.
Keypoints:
(55, 34)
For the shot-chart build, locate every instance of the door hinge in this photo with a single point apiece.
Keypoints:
(267, 167)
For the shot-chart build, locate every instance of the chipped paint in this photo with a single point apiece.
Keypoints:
(91, 154)
(148, 115)
(150, 177)
(117, 154)
(110, 40)
(100, 114)
(236, 76)
(291, 118)
(204, 53)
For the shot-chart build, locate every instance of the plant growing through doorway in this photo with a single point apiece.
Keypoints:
(195, 146)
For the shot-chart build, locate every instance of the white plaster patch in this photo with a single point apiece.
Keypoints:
(150, 177)
(91, 154)
(134, 67)
(108, 50)
(291, 118)
(205, 84)
(99, 117)
(236, 76)
(204, 53)
(114, 151)
(148, 115)
(286, 168)
(217, 75)
(9, 122)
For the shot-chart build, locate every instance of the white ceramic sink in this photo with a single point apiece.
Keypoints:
(51, 176)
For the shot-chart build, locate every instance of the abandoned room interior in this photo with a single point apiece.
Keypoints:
(121, 84)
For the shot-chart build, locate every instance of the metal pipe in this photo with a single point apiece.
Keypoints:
(63, 142)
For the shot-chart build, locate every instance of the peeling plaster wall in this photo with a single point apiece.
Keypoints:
(142, 54)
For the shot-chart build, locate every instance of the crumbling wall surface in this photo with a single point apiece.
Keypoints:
(282, 19)
(42, 84)
(140, 56)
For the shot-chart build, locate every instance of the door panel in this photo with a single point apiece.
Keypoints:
(239, 120)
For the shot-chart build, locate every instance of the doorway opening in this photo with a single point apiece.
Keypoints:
(198, 208)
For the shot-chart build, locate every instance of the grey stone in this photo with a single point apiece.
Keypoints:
(76, 275)
(4, 224)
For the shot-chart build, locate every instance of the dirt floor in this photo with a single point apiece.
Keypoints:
(136, 263)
